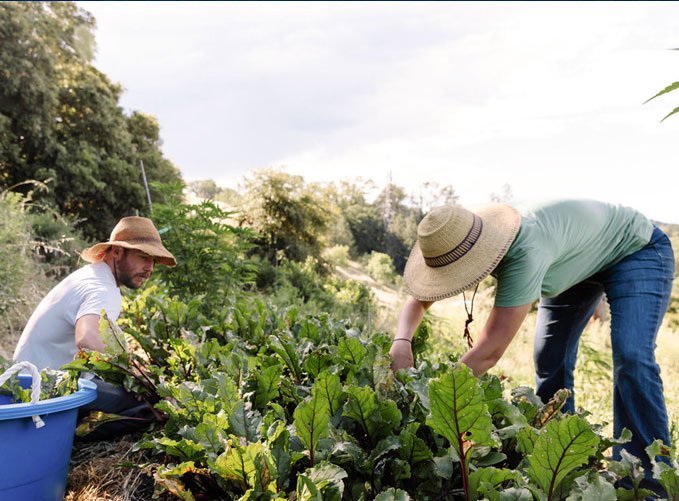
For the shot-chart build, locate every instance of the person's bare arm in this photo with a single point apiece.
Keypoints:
(87, 335)
(499, 330)
(411, 315)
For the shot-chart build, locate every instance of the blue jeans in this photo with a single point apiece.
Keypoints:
(638, 290)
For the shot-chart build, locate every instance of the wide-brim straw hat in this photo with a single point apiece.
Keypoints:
(133, 232)
(456, 249)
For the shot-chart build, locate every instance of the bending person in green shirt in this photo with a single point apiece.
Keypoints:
(566, 255)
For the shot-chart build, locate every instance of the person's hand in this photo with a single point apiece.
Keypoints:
(401, 354)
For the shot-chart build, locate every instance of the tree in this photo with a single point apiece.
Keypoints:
(289, 215)
(37, 40)
(145, 132)
(431, 194)
(60, 120)
(204, 188)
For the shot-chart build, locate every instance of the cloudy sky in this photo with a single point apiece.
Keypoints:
(546, 97)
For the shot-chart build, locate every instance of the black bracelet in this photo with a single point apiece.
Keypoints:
(403, 339)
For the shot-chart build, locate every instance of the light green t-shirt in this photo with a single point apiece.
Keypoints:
(561, 244)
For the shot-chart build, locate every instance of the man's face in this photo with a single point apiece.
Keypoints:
(133, 268)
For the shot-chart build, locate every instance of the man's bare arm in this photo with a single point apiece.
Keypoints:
(87, 335)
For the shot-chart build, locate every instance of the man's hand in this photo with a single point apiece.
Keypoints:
(402, 355)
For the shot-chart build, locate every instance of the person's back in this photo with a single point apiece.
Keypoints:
(562, 243)
(48, 339)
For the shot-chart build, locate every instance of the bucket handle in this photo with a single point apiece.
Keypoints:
(35, 386)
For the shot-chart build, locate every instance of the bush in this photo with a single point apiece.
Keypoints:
(21, 273)
(337, 255)
(210, 252)
(381, 267)
(16, 262)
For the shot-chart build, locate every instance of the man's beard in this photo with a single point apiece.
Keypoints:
(125, 276)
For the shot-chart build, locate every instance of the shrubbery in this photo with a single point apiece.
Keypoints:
(29, 240)
(337, 255)
(381, 267)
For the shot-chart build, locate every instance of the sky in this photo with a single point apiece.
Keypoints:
(546, 97)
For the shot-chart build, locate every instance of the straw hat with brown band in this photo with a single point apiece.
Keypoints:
(133, 232)
(456, 249)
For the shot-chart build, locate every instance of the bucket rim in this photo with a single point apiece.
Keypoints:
(87, 392)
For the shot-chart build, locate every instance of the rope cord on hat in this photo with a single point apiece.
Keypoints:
(467, 335)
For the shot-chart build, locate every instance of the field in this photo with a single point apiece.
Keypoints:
(96, 471)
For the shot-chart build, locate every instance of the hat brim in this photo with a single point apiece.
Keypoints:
(157, 251)
(500, 226)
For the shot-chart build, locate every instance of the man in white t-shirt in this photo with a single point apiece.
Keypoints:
(67, 319)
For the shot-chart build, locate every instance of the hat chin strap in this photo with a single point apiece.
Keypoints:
(470, 318)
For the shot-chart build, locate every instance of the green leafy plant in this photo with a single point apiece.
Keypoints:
(267, 403)
(672, 87)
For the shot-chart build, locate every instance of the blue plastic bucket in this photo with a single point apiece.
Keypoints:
(34, 462)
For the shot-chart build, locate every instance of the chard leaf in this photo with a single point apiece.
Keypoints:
(527, 401)
(392, 494)
(311, 421)
(267, 385)
(459, 411)
(352, 351)
(511, 494)
(168, 479)
(245, 465)
(622, 494)
(376, 418)
(185, 450)
(525, 440)
(383, 448)
(287, 353)
(361, 404)
(226, 390)
(278, 437)
(236, 366)
(413, 449)
(551, 408)
(492, 478)
(628, 466)
(607, 442)
(348, 453)
(329, 388)
(309, 330)
(489, 458)
(317, 362)
(245, 422)
(492, 388)
(387, 419)
(208, 435)
(95, 419)
(325, 482)
(443, 466)
(383, 377)
(590, 487)
(307, 490)
(563, 446)
(667, 475)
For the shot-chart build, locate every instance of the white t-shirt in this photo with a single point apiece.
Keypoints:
(48, 340)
